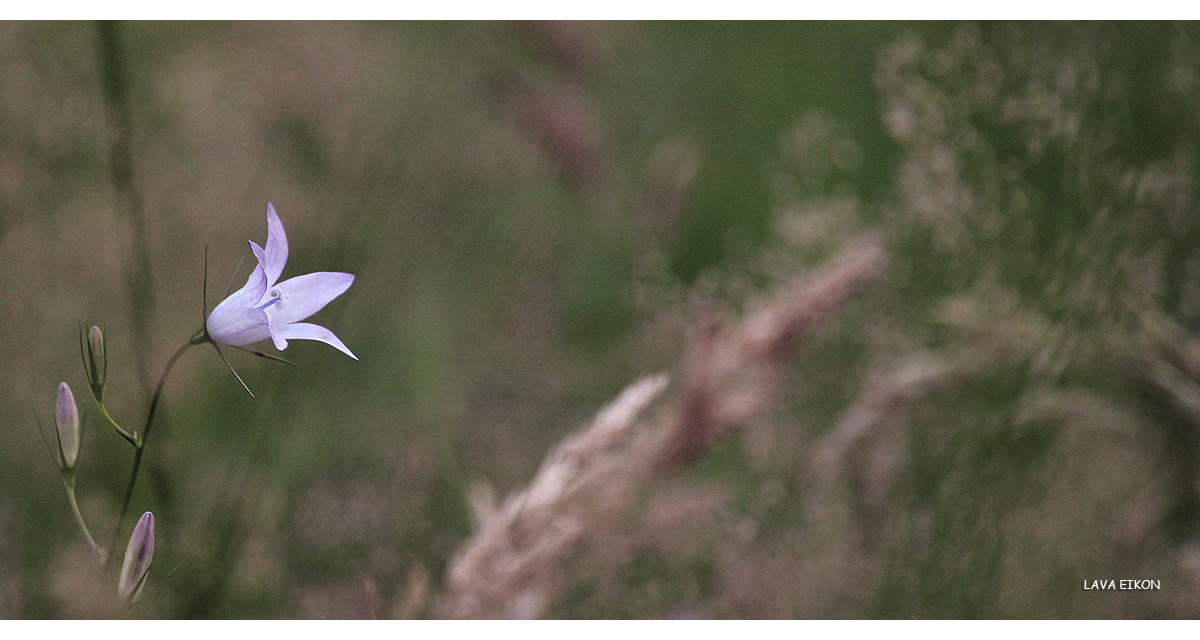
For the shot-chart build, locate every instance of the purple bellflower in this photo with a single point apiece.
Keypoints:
(265, 309)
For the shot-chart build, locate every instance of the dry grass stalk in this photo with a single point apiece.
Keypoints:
(512, 568)
(731, 372)
(883, 397)
(507, 568)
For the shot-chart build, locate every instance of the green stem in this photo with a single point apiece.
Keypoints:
(113, 423)
(69, 482)
(139, 442)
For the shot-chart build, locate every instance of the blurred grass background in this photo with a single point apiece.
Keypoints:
(536, 214)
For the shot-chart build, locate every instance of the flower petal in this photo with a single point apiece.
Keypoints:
(306, 331)
(261, 256)
(277, 247)
(276, 336)
(235, 321)
(239, 327)
(305, 295)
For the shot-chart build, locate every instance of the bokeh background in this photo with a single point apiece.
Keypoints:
(539, 214)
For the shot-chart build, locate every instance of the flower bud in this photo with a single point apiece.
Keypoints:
(66, 417)
(96, 361)
(138, 557)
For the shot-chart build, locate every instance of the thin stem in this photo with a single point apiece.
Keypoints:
(139, 277)
(69, 482)
(137, 462)
(113, 423)
(139, 442)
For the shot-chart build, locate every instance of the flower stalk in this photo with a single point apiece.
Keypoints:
(69, 483)
(139, 442)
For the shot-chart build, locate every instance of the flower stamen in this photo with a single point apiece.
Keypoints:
(277, 298)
